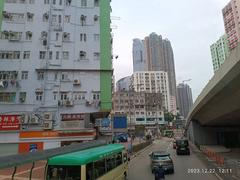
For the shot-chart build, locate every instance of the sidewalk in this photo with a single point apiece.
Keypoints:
(224, 160)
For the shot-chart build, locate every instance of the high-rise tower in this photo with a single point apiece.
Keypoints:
(232, 22)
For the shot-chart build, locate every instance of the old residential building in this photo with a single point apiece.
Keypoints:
(55, 71)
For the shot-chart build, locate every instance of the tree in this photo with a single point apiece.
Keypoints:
(168, 116)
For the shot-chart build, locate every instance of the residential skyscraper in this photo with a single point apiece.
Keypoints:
(219, 52)
(232, 22)
(159, 57)
(55, 70)
(184, 102)
(139, 55)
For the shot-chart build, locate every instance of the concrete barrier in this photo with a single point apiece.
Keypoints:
(140, 146)
(219, 159)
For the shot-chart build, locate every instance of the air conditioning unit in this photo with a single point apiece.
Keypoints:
(24, 119)
(69, 103)
(47, 116)
(76, 82)
(34, 120)
(47, 125)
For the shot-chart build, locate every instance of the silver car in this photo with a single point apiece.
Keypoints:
(163, 159)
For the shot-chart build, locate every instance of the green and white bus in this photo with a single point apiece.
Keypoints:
(101, 163)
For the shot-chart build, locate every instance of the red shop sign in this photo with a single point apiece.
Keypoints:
(9, 122)
(71, 117)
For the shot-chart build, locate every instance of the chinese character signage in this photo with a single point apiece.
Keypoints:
(72, 117)
(9, 122)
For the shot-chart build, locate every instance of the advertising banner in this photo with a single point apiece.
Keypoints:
(10, 122)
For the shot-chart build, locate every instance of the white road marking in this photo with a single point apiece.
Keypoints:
(23, 172)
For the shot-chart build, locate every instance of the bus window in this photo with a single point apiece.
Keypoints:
(110, 163)
(64, 173)
(118, 159)
(99, 168)
(89, 171)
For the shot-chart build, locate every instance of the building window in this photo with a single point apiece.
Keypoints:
(57, 36)
(96, 3)
(57, 54)
(60, 2)
(96, 96)
(31, 1)
(82, 55)
(26, 54)
(42, 55)
(68, 2)
(54, 95)
(28, 35)
(83, 37)
(39, 96)
(50, 53)
(46, 1)
(83, 3)
(54, 2)
(7, 97)
(59, 19)
(67, 18)
(96, 37)
(16, 55)
(22, 97)
(65, 55)
(63, 95)
(40, 75)
(83, 20)
(64, 77)
(54, 18)
(24, 75)
(78, 96)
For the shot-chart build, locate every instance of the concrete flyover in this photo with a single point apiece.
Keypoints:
(215, 116)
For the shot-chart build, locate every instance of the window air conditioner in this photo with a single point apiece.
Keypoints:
(76, 82)
(47, 125)
(47, 116)
(69, 103)
(34, 120)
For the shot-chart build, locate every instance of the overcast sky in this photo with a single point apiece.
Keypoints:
(191, 26)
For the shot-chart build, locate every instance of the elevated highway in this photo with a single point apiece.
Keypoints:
(215, 116)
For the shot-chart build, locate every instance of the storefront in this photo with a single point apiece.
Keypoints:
(9, 134)
(42, 140)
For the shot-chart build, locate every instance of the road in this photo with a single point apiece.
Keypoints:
(139, 167)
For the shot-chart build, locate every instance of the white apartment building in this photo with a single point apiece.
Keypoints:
(55, 71)
(153, 82)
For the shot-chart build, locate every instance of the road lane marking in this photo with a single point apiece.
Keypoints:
(23, 172)
(218, 176)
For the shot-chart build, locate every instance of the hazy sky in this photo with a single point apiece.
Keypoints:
(191, 26)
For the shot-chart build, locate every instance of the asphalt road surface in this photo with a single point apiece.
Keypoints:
(186, 167)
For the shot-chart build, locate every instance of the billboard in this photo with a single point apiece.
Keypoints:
(119, 122)
(10, 122)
